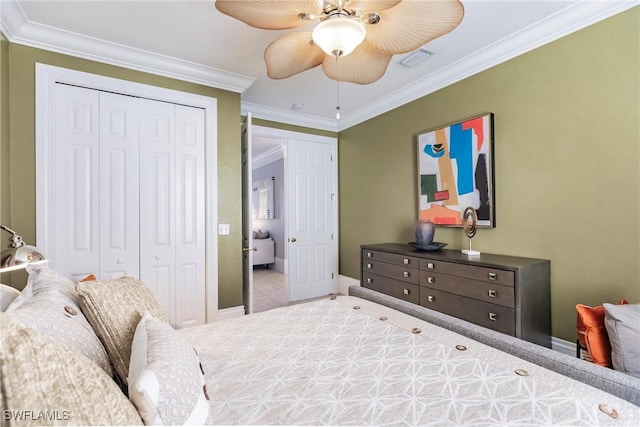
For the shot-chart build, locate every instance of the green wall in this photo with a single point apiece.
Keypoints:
(4, 129)
(293, 128)
(18, 74)
(567, 162)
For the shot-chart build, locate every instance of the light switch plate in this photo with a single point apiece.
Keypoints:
(223, 229)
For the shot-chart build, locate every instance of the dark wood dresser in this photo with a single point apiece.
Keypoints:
(504, 293)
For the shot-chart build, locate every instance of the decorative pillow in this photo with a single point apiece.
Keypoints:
(593, 335)
(166, 382)
(7, 296)
(51, 384)
(114, 308)
(623, 325)
(53, 311)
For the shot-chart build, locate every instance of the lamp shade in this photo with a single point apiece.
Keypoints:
(17, 258)
(338, 36)
(18, 255)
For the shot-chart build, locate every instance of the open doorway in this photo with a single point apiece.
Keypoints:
(303, 226)
(268, 190)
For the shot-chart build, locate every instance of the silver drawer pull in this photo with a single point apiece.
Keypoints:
(493, 276)
(406, 291)
(406, 261)
(431, 279)
(369, 265)
(492, 293)
(369, 255)
(430, 266)
(369, 280)
(493, 317)
(431, 298)
(406, 274)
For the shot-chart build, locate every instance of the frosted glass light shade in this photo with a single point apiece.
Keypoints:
(338, 36)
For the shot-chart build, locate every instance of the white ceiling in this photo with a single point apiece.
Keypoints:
(191, 40)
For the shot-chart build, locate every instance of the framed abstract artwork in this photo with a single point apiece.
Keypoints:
(455, 171)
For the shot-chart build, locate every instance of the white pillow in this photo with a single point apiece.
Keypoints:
(7, 296)
(166, 382)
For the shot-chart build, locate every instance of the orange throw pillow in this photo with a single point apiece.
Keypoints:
(89, 278)
(592, 333)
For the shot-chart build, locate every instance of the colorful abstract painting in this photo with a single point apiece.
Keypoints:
(455, 171)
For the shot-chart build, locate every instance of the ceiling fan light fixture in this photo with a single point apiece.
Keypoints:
(338, 36)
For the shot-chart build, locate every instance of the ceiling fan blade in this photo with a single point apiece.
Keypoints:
(412, 23)
(270, 15)
(291, 54)
(363, 66)
(372, 5)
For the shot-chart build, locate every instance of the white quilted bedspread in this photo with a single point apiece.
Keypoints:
(330, 363)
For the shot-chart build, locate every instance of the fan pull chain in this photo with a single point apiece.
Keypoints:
(338, 100)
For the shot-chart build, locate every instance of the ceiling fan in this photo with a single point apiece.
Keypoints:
(354, 40)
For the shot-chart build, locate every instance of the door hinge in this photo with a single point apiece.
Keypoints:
(331, 236)
(331, 155)
(332, 275)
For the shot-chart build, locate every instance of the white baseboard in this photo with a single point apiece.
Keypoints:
(231, 312)
(280, 265)
(562, 346)
(344, 282)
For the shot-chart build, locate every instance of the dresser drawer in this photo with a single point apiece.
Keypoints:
(496, 317)
(390, 258)
(485, 274)
(395, 288)
(399, 272)
(492, 293)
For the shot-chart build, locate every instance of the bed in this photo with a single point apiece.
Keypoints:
(364, 359)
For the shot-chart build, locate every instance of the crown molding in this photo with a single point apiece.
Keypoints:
(269, 156)
(18, 29)
(289, 117)
(565, 22)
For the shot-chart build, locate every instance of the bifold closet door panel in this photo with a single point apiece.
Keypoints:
(158, 200)
(119, 186)
(75, 203)
(190, 221)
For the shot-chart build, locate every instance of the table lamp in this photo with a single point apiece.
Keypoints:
(18, 255)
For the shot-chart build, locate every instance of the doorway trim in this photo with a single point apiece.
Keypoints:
(47, 76)
(333, 142)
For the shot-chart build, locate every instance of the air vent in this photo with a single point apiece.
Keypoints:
(416, 57)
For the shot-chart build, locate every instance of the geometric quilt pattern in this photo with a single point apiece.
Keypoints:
(348, 361)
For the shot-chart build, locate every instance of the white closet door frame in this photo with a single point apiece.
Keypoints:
(46, 78)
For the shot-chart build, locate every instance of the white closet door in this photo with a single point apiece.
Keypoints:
(157, 201)
(75, 201)
(119, 188)
(190, 226)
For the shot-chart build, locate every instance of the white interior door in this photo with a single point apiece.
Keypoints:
(75, 198)
(157, 210)
(311, 218)
(190, 247)
(247, 217)
(119, 186)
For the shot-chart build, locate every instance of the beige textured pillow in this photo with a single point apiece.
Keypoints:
(44, 384)
(114, 308)
(51, 308)
(166, 382)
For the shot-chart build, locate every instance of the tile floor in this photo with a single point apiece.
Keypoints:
(270, 289)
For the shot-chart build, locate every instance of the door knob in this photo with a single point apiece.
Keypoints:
(293, 239)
